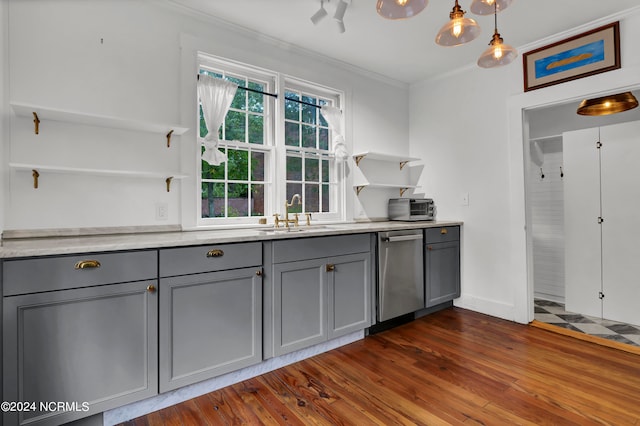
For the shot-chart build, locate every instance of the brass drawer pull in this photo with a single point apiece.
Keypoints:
(215, 253)
(331, 267)
(151, 288)
(86, 264)
(443, 231)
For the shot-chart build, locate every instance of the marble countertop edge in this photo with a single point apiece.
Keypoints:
(30, 247)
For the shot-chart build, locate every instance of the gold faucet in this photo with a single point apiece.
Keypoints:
(287, 204)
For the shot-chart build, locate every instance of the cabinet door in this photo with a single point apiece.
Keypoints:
(210, 324)
(349, 293)
(620, 205)
(300, 295)
(95, 345)
(442, 272)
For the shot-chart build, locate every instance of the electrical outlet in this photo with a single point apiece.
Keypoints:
(162, 211)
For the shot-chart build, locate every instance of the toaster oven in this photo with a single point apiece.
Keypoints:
(412, 209)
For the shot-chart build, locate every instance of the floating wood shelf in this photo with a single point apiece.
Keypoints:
(38, 169)
(401, 188)
(42, 114)
(371, 155)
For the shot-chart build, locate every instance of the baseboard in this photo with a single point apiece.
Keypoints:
(487, 307)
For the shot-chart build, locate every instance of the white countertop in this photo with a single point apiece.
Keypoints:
(13, 248)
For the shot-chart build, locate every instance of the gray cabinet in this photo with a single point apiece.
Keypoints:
(82, 342)
(321, 289)
(442, 265)
(210, 322)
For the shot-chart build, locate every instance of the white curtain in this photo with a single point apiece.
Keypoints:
(333, 116)
(216, 96)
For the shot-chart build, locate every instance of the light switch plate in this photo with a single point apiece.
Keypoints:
(464, 199)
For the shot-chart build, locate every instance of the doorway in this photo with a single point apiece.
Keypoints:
(544, 189)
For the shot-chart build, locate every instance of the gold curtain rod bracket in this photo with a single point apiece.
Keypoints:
(168, 181)
(35, 175)
(36, 123)
(169, 138)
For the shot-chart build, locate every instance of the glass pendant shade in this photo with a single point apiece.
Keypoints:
(606, 105)
(400, 9)
(458, 30)
(497, 54)
(488, 7)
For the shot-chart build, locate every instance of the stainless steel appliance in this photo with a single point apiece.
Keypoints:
(411, 209)
(400, 273)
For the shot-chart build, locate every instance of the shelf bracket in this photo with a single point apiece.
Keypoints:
(402, 191)
(36, 123)
(359, 158)
(359, 188)
(35, 175)
(169, 138)
(168, 181)
(402, 164)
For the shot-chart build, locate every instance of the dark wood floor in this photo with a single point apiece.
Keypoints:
(452, 367)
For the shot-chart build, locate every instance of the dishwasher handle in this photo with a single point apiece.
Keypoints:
(397, 238)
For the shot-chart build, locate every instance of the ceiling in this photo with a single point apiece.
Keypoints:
(403, 50)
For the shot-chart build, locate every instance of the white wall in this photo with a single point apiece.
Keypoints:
(469, 126)
(124, 59)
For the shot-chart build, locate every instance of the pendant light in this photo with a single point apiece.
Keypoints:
(400, 9)
(487, 7)
(458, 30)
(498, 53)
(606, 105)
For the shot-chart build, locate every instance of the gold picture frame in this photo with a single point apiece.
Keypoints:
(592, 52)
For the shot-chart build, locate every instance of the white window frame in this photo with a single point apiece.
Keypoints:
(274, 147)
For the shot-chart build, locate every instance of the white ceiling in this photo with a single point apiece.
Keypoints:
(404, 50)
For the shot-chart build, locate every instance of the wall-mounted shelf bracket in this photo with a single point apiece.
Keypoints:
(168, 181)
(402, 164)
(402, 191)
(169, 138)
(35, 175)
(36, 123)
(358, 158)
(359, 188)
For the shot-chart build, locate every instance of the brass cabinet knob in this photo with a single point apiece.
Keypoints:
(331, 267)
(259, 272)
(215, 253)
(443, 231)
(429, 248)
(86, 264)
(151, 288)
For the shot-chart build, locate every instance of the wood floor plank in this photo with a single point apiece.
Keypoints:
(453, 367)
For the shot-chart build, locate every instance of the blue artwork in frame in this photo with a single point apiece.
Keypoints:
(574, 58)
(582, 55)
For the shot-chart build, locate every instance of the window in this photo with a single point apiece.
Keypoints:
(264, 163)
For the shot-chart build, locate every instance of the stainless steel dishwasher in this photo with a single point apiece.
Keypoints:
(400, 273)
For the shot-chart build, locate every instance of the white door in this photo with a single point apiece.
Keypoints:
(582, 231)
(620, 155)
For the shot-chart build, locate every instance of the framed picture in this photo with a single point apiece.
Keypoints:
(580, 56)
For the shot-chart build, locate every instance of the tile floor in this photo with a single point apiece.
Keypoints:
(555, 314)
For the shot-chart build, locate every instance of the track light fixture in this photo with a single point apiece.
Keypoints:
(400, 9)
(338, 15)
(320, 14)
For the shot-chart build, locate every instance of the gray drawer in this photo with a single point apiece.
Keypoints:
(318, 247)
(23, 276)
(193, 260)
(442, 234)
